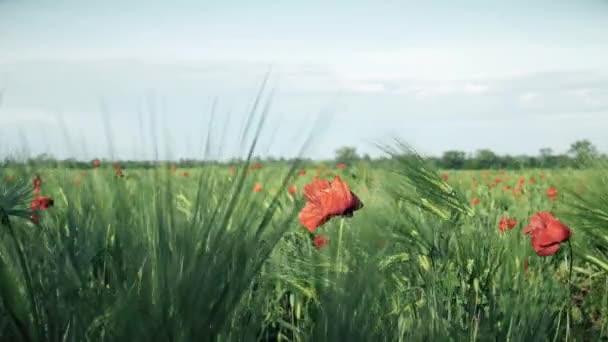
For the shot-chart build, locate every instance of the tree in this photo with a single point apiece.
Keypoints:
(453, 160)
(583, 152)
(346, 155)
(486, 159)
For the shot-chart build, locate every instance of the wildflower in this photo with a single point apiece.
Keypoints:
(341, 166)
(96, 163)
(522, 181)
(497, 180)
(37, 184)
(532, 180)
(292, 190)
(119, 172)
(445, 176)
(10, 177)
(552, 193)
(39, 203)
(506, 223)
(506, 188)
(474, 201)
(233, 170)
(185, 174)
(547, 233)
(325, 199)
(302, 172)
(257, 187)
(321, 241)
(257, 166)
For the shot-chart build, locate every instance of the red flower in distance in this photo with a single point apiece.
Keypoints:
(552, 193)
(302, 172)
(257, 187)
(445, 176)
(37, 184)
(185, 174)
(292, 190)
(325, 199)
(321, 241)
(96, 163)
(233, 170)
(474, 201)
(341, 166)
(10, 177)
(119, 172)
(506, 223)
(257, 166)
(547, 233)
(39, 203)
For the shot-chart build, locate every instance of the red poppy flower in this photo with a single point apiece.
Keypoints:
(292, 190)
(41, 203)
(506, 188)
(96, 163)
(497, 180)
(37, 185)
(325, 199)
(546, 233)
(233, 170)
(257, 187)
(257, 166)
(321, 241)
(302, 172)
(341, 166)
(552, 193)
(10, 177)
(522, 181)
(185, 174)
(474, 201)
(506, 223)
(119, 172)
(491, 185)
(445, 176)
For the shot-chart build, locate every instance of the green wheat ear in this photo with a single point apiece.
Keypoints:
(14, 198)
(421, 185)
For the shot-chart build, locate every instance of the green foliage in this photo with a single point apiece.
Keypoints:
(156, 255)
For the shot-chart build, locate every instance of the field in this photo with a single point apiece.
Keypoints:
(218, 253)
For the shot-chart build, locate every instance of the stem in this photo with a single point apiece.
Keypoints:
(338, 258)
(570, 266)
(26, 271)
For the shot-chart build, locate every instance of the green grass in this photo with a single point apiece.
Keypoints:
(156, 256)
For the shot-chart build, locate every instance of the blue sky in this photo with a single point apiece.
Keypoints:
(512, 76)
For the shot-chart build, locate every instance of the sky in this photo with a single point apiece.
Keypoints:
(158, 79)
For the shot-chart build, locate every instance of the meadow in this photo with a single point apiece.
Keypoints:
(219, 253)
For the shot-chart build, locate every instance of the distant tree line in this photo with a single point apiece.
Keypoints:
(579, 155)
